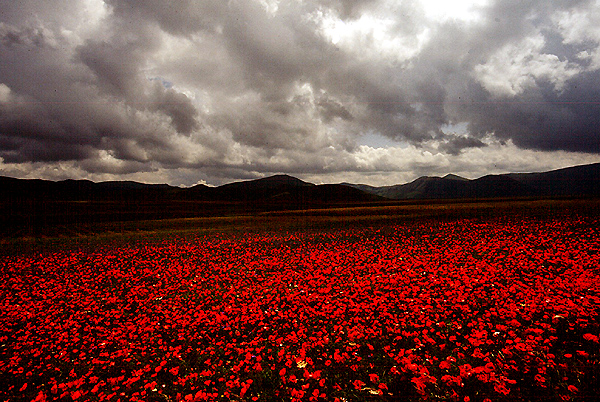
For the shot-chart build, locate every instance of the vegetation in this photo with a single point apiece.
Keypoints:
(449, 301)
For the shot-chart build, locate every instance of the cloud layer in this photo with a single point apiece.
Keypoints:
(365, 90)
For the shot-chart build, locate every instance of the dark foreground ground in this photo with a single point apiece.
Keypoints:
(37, 226)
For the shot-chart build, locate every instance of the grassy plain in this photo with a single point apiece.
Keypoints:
(109, 222)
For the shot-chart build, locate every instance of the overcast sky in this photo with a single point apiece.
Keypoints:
(366, 91)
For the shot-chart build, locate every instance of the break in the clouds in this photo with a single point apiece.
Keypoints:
(374, 91)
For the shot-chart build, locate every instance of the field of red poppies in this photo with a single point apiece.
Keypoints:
(462, 309)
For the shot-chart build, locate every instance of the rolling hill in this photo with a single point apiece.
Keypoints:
(33, 206)
(572, 181)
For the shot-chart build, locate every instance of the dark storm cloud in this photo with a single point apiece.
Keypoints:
(330, 109)
(248, 87)
(455, 144)
(70, 102)
(543, 118)
(117, 62)
(115, 66)
(14, 36)
(178, 107)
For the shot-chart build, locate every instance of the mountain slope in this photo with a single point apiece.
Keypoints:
(279, 189)
(77, 190)
(261, 189)
(573, 181)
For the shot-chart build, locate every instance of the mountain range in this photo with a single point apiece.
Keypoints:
(276, 189)
(581, 180)
(30, 207)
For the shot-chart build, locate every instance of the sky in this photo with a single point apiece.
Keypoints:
(365, 91)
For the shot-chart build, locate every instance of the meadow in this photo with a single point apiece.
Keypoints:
(364, 304)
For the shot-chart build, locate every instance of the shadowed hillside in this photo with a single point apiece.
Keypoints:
(573, 181)
(33, 206)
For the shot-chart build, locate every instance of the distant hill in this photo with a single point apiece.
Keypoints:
(78, 190)
(262, 189)
(267, 183)
(573, 181)
(576, 180)
(275, 189)
(450, 187)
(281, 189)
(31, 207)
(451, 176)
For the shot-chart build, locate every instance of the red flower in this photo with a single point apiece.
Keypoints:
(358, 384)
(108, 322)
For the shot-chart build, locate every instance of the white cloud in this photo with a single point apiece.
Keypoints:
(516, 66)
(465, 10)
(4, 93)
(270, 6)
(582, 27)
(368, 165)
(372, 36)
(327, 89)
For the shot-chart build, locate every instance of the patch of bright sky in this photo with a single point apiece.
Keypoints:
(95, 10)
(89, 16)
(158, 67)
(378, 32)
(375, 140)
(371, 34)
(4, 93)
(442, 10)
(165, 83)
(270, 6)
(458, 129)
